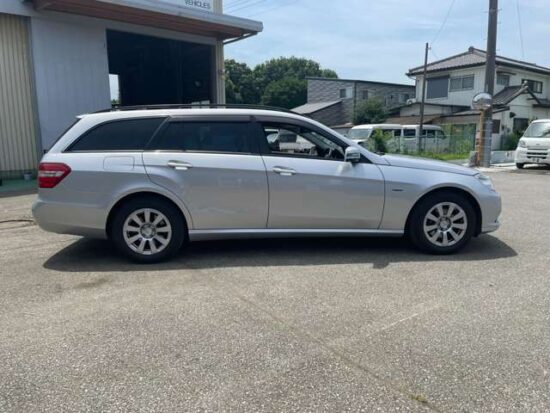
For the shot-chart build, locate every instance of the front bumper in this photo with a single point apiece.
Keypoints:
(490, 227)
(491, 207)
(537, 156)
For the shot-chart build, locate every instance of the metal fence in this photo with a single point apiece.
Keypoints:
(435, 145)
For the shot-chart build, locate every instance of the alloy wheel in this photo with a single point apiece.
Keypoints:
(445, 224)
(147, 231)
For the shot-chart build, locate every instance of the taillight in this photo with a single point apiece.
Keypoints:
(50, 174)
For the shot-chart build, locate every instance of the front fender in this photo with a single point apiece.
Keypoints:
(406, 186)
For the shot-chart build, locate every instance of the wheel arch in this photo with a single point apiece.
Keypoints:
(457, 190)
(146, 193)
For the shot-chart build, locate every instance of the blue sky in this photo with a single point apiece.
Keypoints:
(382, 39)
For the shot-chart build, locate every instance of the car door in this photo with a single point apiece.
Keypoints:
(311, 187)
(215, 168)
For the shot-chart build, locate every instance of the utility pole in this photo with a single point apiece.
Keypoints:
(423, 99)
(490, 70)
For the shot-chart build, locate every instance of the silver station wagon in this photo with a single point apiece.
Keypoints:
(151, 179)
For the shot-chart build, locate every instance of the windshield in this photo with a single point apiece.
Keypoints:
(359, 133)
(538, 130)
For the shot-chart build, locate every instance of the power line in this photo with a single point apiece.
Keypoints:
(237, 5)
(444, 22)
(245, 4)
(520, 31)
(278, 6)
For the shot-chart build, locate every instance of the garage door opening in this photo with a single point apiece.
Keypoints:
(152, 70)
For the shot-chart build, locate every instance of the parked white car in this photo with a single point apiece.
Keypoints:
(405, 137)
(534, 146)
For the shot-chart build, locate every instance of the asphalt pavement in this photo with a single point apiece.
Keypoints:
(280, 325)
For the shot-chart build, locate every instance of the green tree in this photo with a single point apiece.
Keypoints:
(240, 84)
(286, 93)
(265, 83)
(285, 67)
(370, 111)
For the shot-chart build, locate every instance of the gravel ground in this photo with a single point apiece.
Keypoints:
(280, 325)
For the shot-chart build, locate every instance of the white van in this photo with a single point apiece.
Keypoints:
(534, 145)
(405, 137)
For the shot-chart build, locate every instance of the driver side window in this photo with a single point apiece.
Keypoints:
(297, 141)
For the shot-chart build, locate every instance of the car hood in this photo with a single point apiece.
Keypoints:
(537, 143)
(427, 164)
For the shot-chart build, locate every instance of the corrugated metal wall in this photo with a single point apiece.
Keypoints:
(18, 148)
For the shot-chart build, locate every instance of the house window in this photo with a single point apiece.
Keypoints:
(391, 99)
(365, 94)
(534, 85)
(503, 80)
(520, 124)
(438, 87)
(346, 93)
(462, 83)
(496, 125)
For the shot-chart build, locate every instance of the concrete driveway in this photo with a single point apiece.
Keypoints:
(283, 325)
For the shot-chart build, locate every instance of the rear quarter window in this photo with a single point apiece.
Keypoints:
(219, 137)
(120, 135)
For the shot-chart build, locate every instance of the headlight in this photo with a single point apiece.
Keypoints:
(485, 180)
(522, 144)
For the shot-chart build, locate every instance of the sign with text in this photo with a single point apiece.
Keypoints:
(206, 5)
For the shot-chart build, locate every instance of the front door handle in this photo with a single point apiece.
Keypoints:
(283, 171)
(179, 166)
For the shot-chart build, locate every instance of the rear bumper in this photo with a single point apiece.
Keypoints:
(74, 219)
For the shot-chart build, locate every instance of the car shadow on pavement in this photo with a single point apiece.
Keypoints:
(532, 170)
(87, 255)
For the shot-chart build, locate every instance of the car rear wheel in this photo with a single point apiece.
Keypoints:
(442, 223)
(148, 230)
(520, 165)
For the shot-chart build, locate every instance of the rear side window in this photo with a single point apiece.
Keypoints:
(122, 135)
(409, 133)
(227, 137)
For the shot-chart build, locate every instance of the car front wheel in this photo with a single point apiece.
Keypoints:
(148, 230)
(520, 165)
(442, 223)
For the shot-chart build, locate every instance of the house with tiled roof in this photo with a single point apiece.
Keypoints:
(522, 93)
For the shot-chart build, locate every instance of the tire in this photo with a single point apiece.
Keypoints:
(520, 165)
(148, 230)
(446, 233)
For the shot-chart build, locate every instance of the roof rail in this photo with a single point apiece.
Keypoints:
(195, 106)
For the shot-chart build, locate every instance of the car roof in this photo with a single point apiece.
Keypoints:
(378, 125)
(541, 120)
(132, 114)
(436, 127)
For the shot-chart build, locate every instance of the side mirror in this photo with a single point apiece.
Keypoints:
(352, 155)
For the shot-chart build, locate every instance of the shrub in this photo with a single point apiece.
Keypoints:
(378, 141)
(510, 142)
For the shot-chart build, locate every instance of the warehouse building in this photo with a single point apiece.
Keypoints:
(61, 58)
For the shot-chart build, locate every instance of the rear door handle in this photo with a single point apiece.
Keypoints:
(179, 166)
(284, 171)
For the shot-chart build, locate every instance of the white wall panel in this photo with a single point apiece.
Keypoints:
(71, 72)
